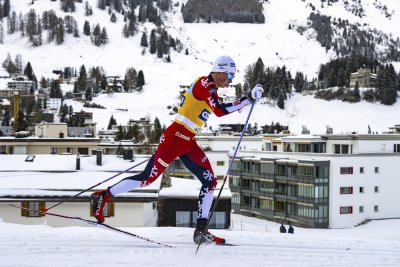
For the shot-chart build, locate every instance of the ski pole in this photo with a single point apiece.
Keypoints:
(106, 180)
(225, 177)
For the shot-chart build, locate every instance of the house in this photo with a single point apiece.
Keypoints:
(363, 77)
(49, 179)
(53, 103)
(50, 138)
(323, 181)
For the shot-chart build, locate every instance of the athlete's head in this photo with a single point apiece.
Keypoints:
(223, 71)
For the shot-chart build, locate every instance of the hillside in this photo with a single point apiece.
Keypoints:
(272, 41)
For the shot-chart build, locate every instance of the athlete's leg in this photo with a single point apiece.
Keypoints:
(197, 162)
(171, 146)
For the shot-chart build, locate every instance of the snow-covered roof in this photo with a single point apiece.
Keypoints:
(55, 176)
(184, 188)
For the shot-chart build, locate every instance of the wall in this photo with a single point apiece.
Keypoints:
(126, 214)
(387, 199)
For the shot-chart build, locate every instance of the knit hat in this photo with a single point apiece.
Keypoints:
(224, 64)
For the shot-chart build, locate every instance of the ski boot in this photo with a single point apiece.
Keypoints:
(98, 200)
(208, 237)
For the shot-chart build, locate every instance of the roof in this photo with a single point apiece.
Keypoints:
(54, 176)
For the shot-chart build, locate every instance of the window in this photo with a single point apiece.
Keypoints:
(361, 169)
(376, 169)
(83, 150)
(376, 189)
(53, 150)
(218, 220)
(346, 210)
(183, 219)
(376, 208)
(267, 204)
(346, 170)
(108, 209)
(396, 148)
(34, 206)
(361, 209)
(346, 190)
(342, 149)
(361, 189)
(220, 163)
(235, 198)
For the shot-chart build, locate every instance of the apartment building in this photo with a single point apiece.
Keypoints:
(325, 181)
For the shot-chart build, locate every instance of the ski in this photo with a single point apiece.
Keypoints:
(94, 223)
(226, 244)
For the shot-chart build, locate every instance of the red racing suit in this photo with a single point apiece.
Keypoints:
(178, 140)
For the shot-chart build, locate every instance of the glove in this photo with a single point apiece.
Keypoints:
(255, 93)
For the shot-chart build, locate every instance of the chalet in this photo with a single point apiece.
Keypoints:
(363, 77)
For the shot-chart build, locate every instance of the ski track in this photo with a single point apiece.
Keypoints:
(82, 246)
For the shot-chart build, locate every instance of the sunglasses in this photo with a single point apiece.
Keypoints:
(231, 76)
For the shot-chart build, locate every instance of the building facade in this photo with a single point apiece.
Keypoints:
(328, 181)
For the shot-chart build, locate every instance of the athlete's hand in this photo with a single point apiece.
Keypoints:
(256, 93)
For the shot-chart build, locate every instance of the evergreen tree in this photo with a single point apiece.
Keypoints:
(143, 40)
(130, 81)
(387, 85)
(140, 79)
(6, 8)
(299, 82)
(153, 47)
(7, 117)
(28, 71)
(82, 80)
(111, 122)
(55, 89)
(103, 36)
(86, 28)
(155, 135)
(281, 101)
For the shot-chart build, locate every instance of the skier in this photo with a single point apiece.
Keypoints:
(197, 103)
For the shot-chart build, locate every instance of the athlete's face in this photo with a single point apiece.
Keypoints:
(223, 79)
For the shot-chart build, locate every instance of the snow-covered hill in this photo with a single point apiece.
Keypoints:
(272, 41)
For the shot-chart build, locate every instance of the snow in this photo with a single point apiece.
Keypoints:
(259, 243)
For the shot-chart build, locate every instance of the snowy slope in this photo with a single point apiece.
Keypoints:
(272, 41)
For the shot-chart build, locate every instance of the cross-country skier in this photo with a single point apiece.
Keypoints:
(198, 102)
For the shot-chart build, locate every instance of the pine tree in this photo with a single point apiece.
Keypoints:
(7, 117)
(6, 8)
(86, 28)
(299, 82)
(143, 40)
(155, 135)
(281, 101)
(111, 122)
(140, 79)
(28, 71)
(82, 80)
(153, 47)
